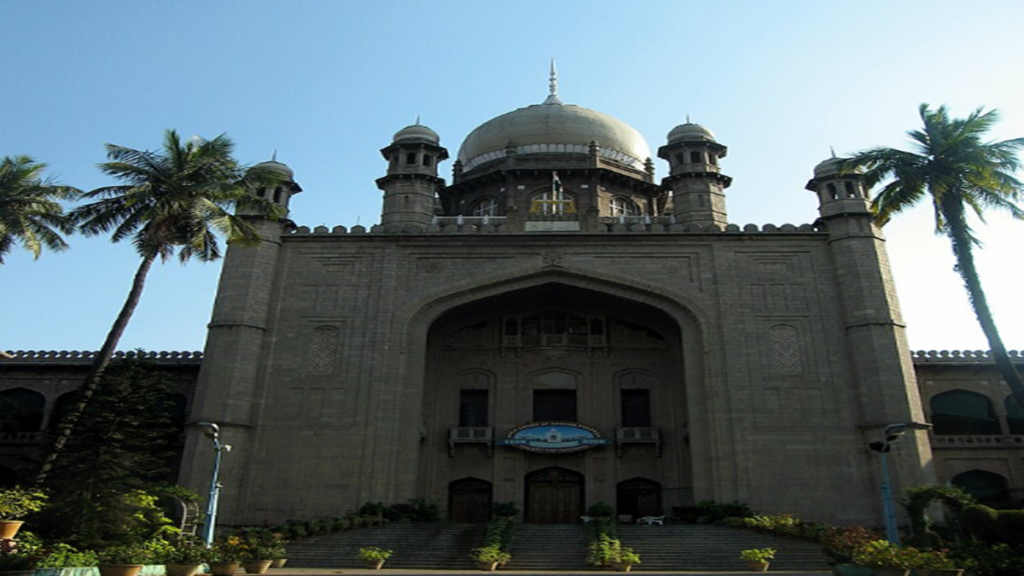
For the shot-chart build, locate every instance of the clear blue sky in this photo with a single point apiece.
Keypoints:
(327, 83)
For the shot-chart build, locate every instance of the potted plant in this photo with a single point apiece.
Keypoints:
(15, 503)
(488, 557)
(627, 558)
(887, 559)
(600, 510)
(504, 510)
(374, 557)
(21, 562)
(125, 560)
(758, 558)
(226, 556)
(936, 563)
(186, 556)
(840, 543)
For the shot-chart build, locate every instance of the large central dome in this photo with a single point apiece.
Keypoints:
(554, 128)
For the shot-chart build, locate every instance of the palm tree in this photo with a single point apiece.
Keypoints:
(30, 209)
(174, 200)
(960, 172)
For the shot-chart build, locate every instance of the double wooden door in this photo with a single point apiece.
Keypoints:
(554, 496)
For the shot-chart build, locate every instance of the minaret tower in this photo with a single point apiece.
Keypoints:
(226, 392)
(411, 184)
(697, 183)
(883, 376)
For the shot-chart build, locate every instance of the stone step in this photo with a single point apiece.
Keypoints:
(424, 546)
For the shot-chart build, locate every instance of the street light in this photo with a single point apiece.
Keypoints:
(212, 431)
(892, 433)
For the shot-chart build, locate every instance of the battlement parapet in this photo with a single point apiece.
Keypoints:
(87, 356)
(972, 356)
(503, 226)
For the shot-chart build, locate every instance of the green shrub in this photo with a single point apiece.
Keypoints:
(600, 509)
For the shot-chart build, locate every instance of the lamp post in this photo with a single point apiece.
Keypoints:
(892, 433)
(212, 431)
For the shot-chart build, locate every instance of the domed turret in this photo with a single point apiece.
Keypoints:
(282, 192)
(417, 133)
(697, 183)
(411, 181)
(839, 193)
(690, 132)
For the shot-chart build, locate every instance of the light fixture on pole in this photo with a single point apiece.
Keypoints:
(212, 431)
(892, 433)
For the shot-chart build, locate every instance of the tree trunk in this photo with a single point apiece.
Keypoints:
(95, 373)
(963, 251)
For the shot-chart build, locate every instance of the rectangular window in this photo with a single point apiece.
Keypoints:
(636, 408)
(472, 408)
(554, 405)
(410, 158)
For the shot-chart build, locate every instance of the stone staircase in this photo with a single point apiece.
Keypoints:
(552, 547)
(702, 547)
(422, 546)
(549, 547)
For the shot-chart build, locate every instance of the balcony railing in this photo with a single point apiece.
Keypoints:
(637, 435)
(977, 441)
(470, 435)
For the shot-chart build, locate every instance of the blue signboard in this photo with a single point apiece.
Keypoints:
(553, 437)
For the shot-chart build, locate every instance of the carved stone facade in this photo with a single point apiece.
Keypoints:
(665, 355)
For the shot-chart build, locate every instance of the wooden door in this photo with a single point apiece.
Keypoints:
(554, 496)
(469, 501)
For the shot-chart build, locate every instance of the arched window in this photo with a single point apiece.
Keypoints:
(1014, 415)
(963, 412)
(988, 487)
(21, 410)
(61, 407)
(486, 207)
(622, 206)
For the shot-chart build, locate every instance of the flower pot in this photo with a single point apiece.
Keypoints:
(256, 566)
(487, 566)
(278, 563)
(8, 528)
(623, 567)
(374, 564)
(223, 568)
(758, 566)
(183, 569)
(120, 569)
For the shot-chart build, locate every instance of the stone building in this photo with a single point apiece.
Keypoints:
(557, 326)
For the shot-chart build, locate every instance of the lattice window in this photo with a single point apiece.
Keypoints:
(323, 351)
(785, 343)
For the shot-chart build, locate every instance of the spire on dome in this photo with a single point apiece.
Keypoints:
(553, 86)
(417, 120)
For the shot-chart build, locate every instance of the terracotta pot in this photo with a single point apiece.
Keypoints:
(279, 563)
(623, 567)
(120, 569)
(223, 568)
(487, 566)
(8, 528)
(256, 566)
(374, 564)
(758, 566)
(175, 569)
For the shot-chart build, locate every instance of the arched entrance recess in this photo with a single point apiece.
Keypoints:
(469, 501)
(638, 497)
(554, 496)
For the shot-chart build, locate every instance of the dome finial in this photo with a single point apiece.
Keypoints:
(833, 149)
(417, 120)
(273, 157)
(553, 86)
(687, 118)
